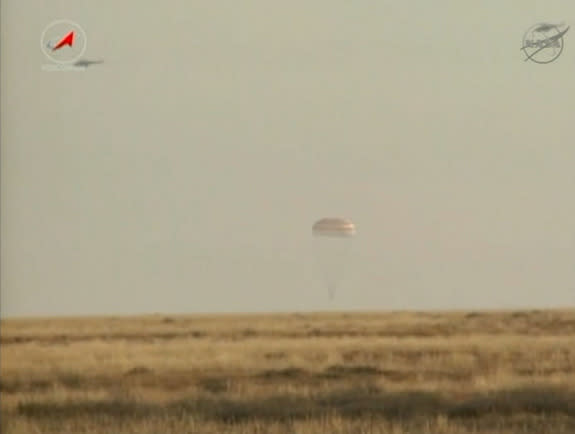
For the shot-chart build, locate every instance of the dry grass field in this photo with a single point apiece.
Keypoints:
(457, 372)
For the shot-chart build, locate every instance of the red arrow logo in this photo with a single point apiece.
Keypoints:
(66, 40)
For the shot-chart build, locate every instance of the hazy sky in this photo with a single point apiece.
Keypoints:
(184, 173)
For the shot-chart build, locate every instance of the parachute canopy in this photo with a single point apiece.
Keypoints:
(333, 227)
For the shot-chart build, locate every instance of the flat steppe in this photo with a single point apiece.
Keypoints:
(389, 372)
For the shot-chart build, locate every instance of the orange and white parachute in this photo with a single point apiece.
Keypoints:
(333, 227)
(332, 244)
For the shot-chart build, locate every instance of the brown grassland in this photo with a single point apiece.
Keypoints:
(396, 372)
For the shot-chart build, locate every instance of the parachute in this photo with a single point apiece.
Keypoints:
(332, 238)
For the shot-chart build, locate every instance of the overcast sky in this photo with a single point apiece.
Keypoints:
(184, 173)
